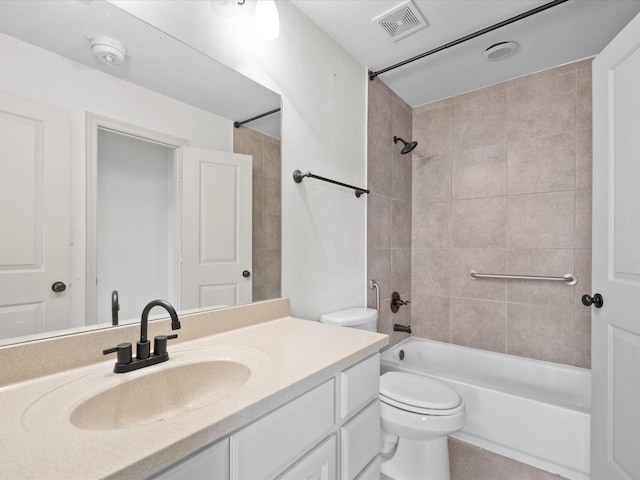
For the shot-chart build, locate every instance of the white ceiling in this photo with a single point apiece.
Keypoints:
(564, 33)
(157, 61)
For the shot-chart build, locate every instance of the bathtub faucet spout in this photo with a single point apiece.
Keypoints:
(402, 328)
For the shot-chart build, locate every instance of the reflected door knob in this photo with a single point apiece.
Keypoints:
(597, 300)
(58, 287)
(246, 274)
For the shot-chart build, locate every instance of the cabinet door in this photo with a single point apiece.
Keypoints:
(319, 464)
(211, 463)
(269, 445)
(360, 441)
(359, 385)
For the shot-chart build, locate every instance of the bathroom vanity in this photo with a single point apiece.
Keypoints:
(248, 392)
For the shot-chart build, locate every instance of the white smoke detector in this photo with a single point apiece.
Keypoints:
(108, 50)
(401, 21)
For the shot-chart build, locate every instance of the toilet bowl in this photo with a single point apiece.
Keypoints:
(416, 415)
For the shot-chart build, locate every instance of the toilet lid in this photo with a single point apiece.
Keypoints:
(418, 391)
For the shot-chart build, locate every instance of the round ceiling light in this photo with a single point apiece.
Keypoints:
(500, 50)
(108, 50)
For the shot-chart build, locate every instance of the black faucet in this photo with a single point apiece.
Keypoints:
(115, 306)
(144, 358)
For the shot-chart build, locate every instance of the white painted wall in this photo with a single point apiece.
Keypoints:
(323, 130)
(42, 76)
(135, 224)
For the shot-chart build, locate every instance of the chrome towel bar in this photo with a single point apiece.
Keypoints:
(569, 278)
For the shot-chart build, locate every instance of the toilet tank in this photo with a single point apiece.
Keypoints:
(357, 317)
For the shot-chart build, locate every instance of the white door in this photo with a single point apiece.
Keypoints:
(34, 216)
(615, 437)
(216, 228)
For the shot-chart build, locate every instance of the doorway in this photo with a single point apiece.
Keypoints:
(135, 224)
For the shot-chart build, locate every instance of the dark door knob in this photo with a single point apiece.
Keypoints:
(58, 287)
(246, 274)
(597, 300)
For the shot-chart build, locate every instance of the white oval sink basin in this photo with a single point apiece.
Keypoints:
(189, 380)
(160, 395)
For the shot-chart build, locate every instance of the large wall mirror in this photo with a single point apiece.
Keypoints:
(122, 176)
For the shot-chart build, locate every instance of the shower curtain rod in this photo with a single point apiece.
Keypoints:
(541, 8)
(238, 124)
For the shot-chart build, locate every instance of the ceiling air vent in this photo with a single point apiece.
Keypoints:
(402, 20)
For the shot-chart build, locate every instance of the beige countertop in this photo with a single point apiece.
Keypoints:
(39, 441)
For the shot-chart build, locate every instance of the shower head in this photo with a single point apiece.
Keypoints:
(408, 146)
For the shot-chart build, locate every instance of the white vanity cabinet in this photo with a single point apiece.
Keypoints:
(330, 432)
(212, 462)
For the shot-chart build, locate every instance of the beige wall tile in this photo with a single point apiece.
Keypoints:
(272, 230)
(432, 131)
(431, 225)
(430, 316)
(379, 268)
(378, 221)
(583, 272)
(258, 230)
(400, 225)
(583, 218)
(478, 324)
(481, 172)
(250, 142)
(483, 261)
(542, 164)
(431, 178)
(479, 118)
(401, 271)
(272, 195)
(258, 193)
(583, 337)
(544, 263)
(431, 271)
(542, 103)
(479, 223)
(543, 333)
(379, 140)
(272, 158)
(584, 159)
(402, 167)
(266, 206)
(583, 94)
(541, 220)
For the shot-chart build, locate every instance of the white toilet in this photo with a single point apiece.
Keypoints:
(416, 414)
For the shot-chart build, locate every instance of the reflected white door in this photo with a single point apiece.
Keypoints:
(216, 228)
(615, 447)
(34, 216)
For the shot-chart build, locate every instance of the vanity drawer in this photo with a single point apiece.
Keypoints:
(319, 464)
(360, 441)
(267, 446)
(359, 385)
(211, 462)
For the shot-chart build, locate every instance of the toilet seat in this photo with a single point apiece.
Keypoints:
(419, 394)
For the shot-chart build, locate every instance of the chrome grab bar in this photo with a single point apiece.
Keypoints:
(569, 278)
(373, 284)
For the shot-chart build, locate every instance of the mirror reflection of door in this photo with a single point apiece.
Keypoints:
(34, 237)
(135, 224)
(184, 237)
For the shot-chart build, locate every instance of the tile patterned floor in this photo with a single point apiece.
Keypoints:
(468, 462)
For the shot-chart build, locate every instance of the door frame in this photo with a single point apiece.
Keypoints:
(94, 123)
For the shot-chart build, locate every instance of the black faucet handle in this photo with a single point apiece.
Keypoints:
(160, 343)
(123, 350)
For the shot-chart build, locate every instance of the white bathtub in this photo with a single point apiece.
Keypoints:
(535, 412)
